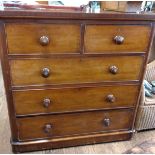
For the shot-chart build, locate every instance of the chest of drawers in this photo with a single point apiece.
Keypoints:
(72, 78)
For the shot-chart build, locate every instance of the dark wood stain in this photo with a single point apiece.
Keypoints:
(88, 103)
(64, 125)
(99, 38)
(28, 72)
(7, 82)
(61, 100)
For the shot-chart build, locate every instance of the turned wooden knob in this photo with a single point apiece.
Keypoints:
(119, 40)
(47, 128)
(44, 40)
(45, 72)
(113, 69)
(106, 122)
(46, 102)
(111, 98)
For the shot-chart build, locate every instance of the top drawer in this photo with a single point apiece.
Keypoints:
(43, 38)
(116, 38)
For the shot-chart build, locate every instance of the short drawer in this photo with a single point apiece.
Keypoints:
(43, 38)
(116, 38)
(75, 70)
(74, 99)
(64, 125)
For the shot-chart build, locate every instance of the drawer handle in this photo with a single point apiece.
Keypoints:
(45, 72)
(46, 102)
(111, 98)
(113, 69)
(119, 40)
(44, 40)
(107, 122)
(47, 128)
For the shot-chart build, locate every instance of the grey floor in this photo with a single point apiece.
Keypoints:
(115, 147)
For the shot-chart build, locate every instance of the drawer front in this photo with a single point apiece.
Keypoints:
(61, 125)
(75, 70)
(43, 38)
(129, 38)
(74, 99)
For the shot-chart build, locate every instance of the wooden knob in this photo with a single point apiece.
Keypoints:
(46, 102)
(119, 40)
(47, 128)
(111, 98)
(107, 122)
(45, 72)
(113, 69)
(44, 40)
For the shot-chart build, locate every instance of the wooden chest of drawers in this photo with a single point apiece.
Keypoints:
(72, 78)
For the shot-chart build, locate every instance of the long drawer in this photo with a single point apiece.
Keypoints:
(75, 70)
(74, 99)
(117, 38)
(62, 125)
(43, 38)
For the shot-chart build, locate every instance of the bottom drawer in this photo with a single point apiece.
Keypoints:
(61, 125)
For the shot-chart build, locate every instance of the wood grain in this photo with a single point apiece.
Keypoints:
(75, 70)
(24, 38)
(71, 141)
(76, 57)
(21, 14)
(74, 99)
(71, 124)
(7, 81)
(100, 38)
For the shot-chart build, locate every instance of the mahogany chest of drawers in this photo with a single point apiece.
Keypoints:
(72, 78)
